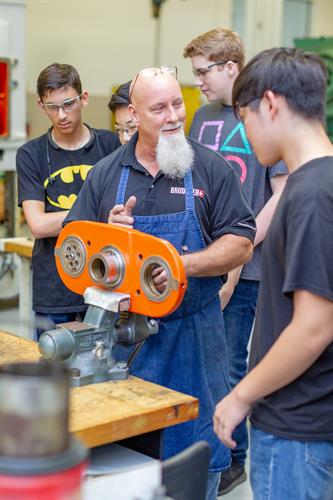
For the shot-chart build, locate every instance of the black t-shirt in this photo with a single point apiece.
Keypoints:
(220, 202)
(55, 176)
(297, 255)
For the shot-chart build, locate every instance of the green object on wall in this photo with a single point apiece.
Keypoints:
(324, 47)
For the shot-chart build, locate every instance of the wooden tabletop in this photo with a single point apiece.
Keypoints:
(20, 246)
(110, 411)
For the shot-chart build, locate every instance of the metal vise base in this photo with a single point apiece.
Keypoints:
(86, 348)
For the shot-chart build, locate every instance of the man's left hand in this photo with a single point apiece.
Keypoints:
(228, 415)
(160, 278)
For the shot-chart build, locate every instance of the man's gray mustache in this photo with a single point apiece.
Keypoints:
(166, 129)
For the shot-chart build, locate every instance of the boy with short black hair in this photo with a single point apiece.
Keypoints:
(118, 104)
(280, 97)
(217, 57)
(51, 170)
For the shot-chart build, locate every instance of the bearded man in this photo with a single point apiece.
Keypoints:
(175, 188)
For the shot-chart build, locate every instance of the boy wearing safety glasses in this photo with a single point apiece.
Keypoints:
(51, 170)
(118, 104)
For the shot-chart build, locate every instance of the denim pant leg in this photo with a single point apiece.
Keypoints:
(238, 317)
(212, 485)
(289, 469)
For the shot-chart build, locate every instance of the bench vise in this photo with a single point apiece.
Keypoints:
(112, 267)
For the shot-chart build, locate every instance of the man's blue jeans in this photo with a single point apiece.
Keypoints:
(283, 469)
(238, 317)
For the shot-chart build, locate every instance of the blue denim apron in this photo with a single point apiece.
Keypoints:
(189, 352)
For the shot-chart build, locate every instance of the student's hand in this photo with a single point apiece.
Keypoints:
(228, 415)
(226, 294)
(122, 214)
(228, 288)
(159, 278)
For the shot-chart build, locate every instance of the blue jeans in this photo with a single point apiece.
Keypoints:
(45, 322)
(212, 485)
(238, 317)
(291, 470)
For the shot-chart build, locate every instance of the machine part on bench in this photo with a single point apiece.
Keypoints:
(85, 348)
(107, 267)
(72, 255)
(123, 259)
(33, 410)
(105, 299)
(134, 328)
(134, 353)
(113, 267)
(146, 279)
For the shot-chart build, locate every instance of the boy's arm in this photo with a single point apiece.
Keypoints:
(265, 215)
(263, 221)
(299, 345)
(42, 224)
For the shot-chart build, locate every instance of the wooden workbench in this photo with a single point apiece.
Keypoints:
(22, 247)
(111, 411)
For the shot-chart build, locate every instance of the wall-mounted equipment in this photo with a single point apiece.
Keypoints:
(12, 106)
(4, 97)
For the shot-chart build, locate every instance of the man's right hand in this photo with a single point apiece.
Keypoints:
(122, 214)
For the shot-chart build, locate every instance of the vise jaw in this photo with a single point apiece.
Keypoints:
(86, 348)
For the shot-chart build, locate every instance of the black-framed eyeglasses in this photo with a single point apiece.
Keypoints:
(164, 70)
(67, 105)
(244, 105)
(203, 71)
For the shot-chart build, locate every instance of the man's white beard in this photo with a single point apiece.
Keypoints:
(174, 154)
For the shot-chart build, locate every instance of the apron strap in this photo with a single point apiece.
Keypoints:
(189, 196)
(120, 198)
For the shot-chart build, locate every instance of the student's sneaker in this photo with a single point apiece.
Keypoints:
(232, 478)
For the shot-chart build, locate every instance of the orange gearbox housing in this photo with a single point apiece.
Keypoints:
(122, 260)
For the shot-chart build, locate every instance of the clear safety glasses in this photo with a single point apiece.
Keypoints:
(67, 105)
(164, 70)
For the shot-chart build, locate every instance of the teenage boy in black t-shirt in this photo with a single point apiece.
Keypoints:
(280, 97)
(217, 57)
(51, 170)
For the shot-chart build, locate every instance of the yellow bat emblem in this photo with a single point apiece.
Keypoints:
(67, 175)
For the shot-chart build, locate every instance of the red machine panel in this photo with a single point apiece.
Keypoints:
(4, 97)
